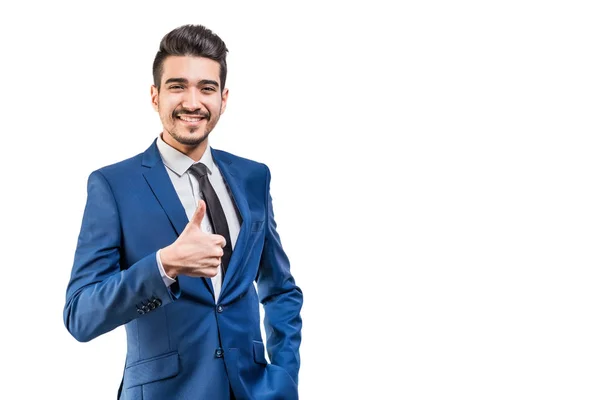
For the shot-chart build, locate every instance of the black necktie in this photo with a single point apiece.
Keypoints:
(214, 211)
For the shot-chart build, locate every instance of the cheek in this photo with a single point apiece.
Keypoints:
(216, 108)
(166, 105)
(166, 110)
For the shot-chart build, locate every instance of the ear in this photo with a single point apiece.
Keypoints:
(224, 97)
(154, 97)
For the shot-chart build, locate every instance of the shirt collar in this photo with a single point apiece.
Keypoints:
(178, 162)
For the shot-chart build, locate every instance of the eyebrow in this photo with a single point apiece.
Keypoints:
(183, 80)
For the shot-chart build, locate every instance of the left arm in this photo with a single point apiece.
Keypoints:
(281, 298)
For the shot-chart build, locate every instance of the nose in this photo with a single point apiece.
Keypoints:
(191, 100)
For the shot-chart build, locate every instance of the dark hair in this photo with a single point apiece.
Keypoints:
(191, 40)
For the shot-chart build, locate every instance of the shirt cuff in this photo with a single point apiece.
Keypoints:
(166, 279)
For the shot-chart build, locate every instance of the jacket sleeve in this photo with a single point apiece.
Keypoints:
(101, 295)
(281, 298)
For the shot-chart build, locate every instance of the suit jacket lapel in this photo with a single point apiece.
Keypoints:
(232, 180)
(156, 175)
(158, 179)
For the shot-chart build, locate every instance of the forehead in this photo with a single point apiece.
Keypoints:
(191, 68)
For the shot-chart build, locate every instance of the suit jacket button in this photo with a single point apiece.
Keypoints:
(157, 302)
(145, 308)
(219, 308)
(140, 311)
(219, 353)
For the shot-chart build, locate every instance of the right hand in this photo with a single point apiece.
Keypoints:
(194, 253)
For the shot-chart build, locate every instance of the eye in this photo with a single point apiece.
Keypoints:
(209, 89)
(176, 87)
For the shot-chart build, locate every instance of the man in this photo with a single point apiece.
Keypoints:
(171, 243)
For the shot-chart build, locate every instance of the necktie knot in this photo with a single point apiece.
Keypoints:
(199, 169)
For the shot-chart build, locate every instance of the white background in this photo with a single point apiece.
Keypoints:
(435, 181)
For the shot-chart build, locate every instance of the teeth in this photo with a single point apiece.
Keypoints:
(189, 119)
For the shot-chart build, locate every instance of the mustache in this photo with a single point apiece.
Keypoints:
(196, 113)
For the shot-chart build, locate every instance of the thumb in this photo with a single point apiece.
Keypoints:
(198, 214)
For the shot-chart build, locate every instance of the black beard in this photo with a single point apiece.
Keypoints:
(186, 140)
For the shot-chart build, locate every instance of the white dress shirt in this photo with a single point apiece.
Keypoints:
(188, 191)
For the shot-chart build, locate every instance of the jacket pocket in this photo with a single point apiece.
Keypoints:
(151, 370)
(259, 352)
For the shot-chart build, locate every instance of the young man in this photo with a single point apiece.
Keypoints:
(171, 243)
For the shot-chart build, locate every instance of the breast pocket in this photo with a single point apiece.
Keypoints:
(257, 225)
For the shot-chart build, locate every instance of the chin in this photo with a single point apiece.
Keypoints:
(191, 139)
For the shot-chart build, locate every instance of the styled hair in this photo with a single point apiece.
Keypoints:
(191, 40)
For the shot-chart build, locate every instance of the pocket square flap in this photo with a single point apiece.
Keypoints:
(154, 369)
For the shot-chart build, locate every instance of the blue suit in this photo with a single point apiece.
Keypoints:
(180, 344)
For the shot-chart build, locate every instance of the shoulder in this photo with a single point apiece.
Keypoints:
(132, 165)
(121, 168)
(240, 162)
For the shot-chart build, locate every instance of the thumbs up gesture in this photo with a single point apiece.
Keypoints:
(194, 253)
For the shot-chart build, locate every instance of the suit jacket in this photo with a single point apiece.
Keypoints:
(180, 344)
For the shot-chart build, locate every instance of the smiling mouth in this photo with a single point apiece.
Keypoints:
(190, 119)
